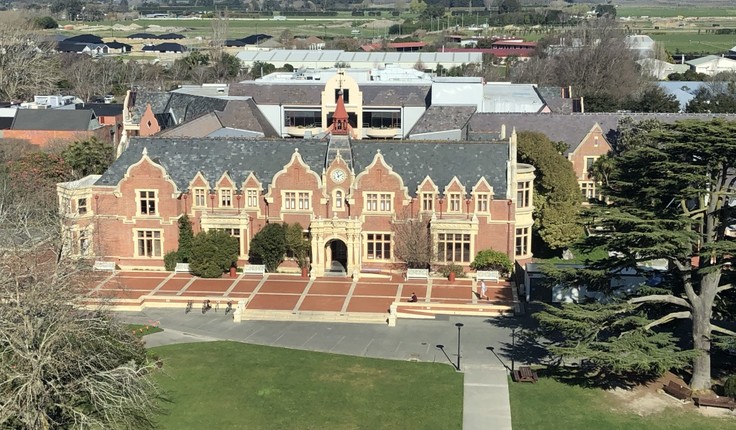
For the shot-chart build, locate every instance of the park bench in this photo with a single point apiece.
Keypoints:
(417, 274)
(104, 266)
(716, 402)
(678, 391)
(254, 269)
(488, 275)
(525, 374)
(182, 268)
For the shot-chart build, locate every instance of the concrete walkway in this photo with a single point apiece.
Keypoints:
(486, 398)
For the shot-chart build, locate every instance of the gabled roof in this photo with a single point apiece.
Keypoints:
(413, 161)
(709, 59)
(165, 47)
(571, 129)
(70, 46)
(440, 118)
(55, 119)
(118, 45)
(103, 109)
(170, 36)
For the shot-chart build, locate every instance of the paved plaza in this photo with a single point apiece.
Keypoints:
(486, 400)
(283, 296)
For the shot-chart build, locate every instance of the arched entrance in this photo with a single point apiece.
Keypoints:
(336, 257)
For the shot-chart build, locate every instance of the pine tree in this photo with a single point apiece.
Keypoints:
(672, 191)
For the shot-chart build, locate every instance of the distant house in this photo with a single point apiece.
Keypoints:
(407, 46)
(712, 65)
(684, 91)
(253, 39)
(118, 47)
(83, 48)
(170, 36)
(165, 48)
(45, 126)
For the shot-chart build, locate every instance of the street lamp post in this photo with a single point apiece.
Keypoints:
(459, 326)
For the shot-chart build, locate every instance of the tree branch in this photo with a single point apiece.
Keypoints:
(662, 298)
(714, 327)
(724, 288)
(668, 318)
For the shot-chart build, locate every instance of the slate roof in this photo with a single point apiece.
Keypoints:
(118, 45)
(273, 94)
(55, 119)
(103, 109)
(183, 158)
(393, 95)
(245, 115)
(6, 122)
(70, 46)
(170, 36)
(414, 161)
(571, 129)
(183, 107)
(157, 101)
(439, 118)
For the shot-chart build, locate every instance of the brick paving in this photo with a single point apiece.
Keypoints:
(281, 292)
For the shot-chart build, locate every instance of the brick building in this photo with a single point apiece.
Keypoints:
(346, 193)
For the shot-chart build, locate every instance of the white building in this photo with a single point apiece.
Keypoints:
(712, 65)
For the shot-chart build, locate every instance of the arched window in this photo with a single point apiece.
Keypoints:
(338, 199)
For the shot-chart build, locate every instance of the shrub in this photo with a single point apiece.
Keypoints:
(186, 236)
(729, 387)
(451, 268)
(489, 259)
(170, 260)
(212, 253)
(45, 22)
(268, 247)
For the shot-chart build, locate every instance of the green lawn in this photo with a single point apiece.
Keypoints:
(549, 404)
(694, 42)
(229, 385)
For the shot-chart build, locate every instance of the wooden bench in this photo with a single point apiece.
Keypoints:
(525, 374)
(417, 274)
(104, 266)
(488, 275)
(677, 391)
(254, 269)
(716, 402)
(182, 268)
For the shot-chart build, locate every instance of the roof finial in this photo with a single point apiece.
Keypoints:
(296, 149)
(145, 151)
(378, 151)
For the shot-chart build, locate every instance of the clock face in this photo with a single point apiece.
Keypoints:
(338, 175)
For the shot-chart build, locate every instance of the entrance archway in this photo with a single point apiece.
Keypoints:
(336, 257)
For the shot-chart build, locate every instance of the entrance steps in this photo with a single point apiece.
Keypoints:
(313, 316)
(428, 310)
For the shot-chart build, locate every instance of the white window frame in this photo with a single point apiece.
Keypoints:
(484, 198)
(452, 199)
(303, 200)
(523, 189)
(80, 206)
(386, 239)
(295, 200)
(197, 193)
(251, 198)
(427, 202)
(139, 200)
(338, 200)
(378, 202)
(137, 238)
(441, 248)
(226, 193)
(523, 234)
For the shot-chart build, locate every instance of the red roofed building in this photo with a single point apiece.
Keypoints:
(407, 46)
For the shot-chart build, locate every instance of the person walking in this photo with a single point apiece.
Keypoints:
(483, 290)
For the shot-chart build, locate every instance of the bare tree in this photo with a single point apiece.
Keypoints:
(27, 63)
(64, 364)
(594, 60)
(413, 243)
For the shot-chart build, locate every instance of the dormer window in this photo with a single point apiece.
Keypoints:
(226, 198)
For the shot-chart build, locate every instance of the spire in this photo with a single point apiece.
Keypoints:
(340, 123)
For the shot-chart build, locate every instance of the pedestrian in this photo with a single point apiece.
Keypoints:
(483, 290)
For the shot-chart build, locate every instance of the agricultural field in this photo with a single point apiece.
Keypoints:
(670, 12)
(692, 42)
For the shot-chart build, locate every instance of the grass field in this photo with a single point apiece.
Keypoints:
(694, 42)
(141, 330)
(668, 12)
(228, 385)
(549, 404)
